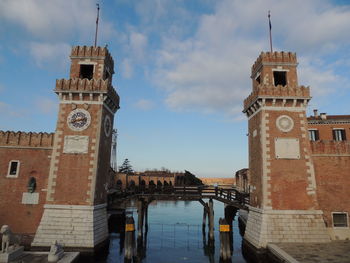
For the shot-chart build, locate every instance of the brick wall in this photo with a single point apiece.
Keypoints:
(34, 162)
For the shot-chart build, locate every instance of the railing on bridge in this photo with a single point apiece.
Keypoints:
(226, 195)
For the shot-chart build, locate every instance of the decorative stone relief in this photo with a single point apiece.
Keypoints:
(30, 198)
(75, 144)
(287, 148)
(284, 123)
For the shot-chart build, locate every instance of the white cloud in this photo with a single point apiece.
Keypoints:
(55, 19)
(144, 104)
(46, 105)
(50, 54)
(138, 44)
(126, 68)
(209, 71)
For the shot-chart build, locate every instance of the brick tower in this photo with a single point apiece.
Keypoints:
(75, 209)
(284, 206)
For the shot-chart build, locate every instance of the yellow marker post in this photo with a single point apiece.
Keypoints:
(224, 228)
(129, 227)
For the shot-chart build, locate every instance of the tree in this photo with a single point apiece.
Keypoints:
(126, 167)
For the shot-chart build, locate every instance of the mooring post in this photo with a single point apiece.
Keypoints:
(129, 245)
(225, 249)
(146, 216)
(140, 215)
(204, 219)
(211, 220)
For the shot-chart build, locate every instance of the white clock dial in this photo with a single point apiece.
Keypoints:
(284, 123)
(78, 120)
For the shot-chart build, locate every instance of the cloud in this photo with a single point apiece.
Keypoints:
(8, 111)
(50, 54)
(144, 104)
(46, 105)
(209, 71)
(127, 68)
(54, 19)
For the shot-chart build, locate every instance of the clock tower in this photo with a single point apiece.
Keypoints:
(75, 209)
(283, 201)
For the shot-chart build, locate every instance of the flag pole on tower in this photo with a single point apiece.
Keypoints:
(269, 16)
(98, 14)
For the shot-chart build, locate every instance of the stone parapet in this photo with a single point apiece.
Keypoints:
(274, 57)
(285, 226)
(72, 226)
(92, 52)
(270, 91)
(83, 86)
(330, 147)
(26, 139)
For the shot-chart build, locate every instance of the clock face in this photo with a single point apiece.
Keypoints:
(78, 120)
(107, 125)
(284, 123)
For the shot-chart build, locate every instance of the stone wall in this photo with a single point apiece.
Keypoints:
(73, 226)
(285, 226)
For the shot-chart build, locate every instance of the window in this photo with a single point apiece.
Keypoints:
(340, 219)
(339, 135)
(280, 78)
(13, 169)
(86, 71)
(313, 135)
(258, 79)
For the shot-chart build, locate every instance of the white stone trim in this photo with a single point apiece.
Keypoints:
(273, 108)
(76, 207)
(17, 169)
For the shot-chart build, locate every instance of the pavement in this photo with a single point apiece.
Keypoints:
(333, 252)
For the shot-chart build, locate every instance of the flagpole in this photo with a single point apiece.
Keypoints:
(98, 14)
(269, 15)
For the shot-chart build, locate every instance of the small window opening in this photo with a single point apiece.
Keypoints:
(340, 219)
(313, 135)
(258, 79)
(13, 168)
(339, 135)
(280, 78)
(86, 71)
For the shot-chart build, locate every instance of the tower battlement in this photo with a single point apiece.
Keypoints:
(270, 91)
(92, 52)
(26, 139)
(275, 58)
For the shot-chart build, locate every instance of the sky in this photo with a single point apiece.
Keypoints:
(182, 69)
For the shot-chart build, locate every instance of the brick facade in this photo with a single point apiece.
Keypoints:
(299, 174)
(71, 166)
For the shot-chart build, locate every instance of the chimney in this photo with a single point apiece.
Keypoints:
(323, 116)
(315, 113)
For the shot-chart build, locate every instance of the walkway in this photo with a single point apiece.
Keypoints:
(333, 252)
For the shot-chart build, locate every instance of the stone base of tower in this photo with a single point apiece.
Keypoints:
(284, 226)
(73, 226)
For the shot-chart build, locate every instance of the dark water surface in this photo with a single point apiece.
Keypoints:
(175, 235)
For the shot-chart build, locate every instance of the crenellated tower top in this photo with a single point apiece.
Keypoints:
(90, 77)
(91, 63)
(275, 79)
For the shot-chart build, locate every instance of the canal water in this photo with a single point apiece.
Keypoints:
(175, 235)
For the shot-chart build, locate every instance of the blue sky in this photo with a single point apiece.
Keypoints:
(182, 69)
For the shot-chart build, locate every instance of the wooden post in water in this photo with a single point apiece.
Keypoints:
(204, 219)
(140, 216)
(225, 249)
(129, 245)
(211, 220)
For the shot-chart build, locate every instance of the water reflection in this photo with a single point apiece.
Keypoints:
(173, 232)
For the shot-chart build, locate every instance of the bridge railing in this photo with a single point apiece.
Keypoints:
(227, 195)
